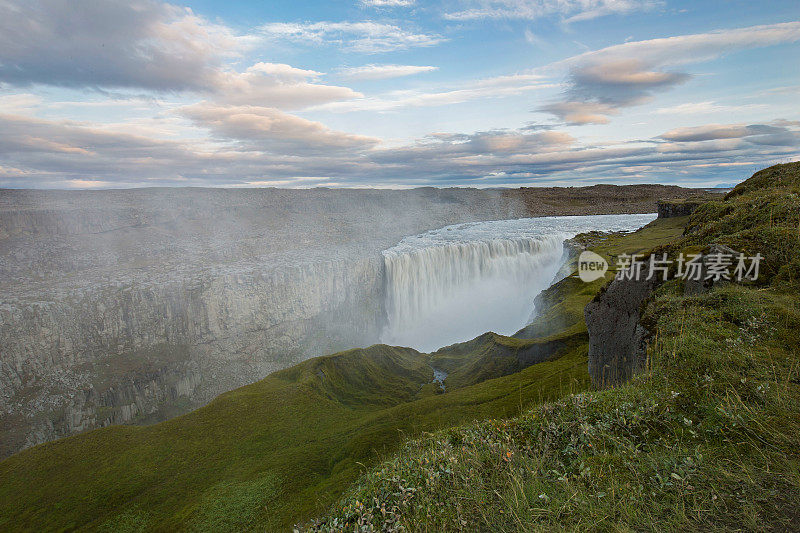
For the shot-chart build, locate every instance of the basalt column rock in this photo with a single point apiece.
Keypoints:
(617, 340)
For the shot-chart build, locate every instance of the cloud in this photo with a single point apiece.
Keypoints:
(686, 49)
(266, 147)
(364, 37)
(511, 157)
(706, 133)
(51, 153)
(780, 133)
(56, 154)
(283, 72)
(89, 184)
(569, 10)
(532, 38)
(388, 3)
(113, 44)
(601, 89)
(494, 142)
(382, 72)
(268, 129)
(573, 112)
(602, 8)
(277, 85)
(703, 108)
(622, 81)
(486, 88)
(145, 44)
(602, 82)
(18, 103)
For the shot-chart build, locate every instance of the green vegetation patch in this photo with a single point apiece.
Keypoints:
(231, 507)
(131, 521)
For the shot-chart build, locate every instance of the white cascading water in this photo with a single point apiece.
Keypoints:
(452, 284)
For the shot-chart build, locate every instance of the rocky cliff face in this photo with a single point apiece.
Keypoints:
(677, 208)
(617, 340)
(107, 354)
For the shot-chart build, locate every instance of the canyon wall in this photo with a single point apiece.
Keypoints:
(108, 354)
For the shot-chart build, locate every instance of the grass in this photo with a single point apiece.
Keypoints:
(283, 450)
(707, 439)
(307, 428)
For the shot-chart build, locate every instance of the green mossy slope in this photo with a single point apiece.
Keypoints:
(707, 439)
(300, 432)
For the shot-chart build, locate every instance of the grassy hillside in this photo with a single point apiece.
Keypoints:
(707, 439)
(282, 450)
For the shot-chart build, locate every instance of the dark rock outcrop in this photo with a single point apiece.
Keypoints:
(677, 208)
(704, 282)
(617, 340)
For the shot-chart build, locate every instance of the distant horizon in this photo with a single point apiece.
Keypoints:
(115, 94)
(362, 188)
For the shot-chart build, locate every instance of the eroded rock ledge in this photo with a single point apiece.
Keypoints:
(677, 207)
(617, 340)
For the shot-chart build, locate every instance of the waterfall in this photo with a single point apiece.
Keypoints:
(452, 284)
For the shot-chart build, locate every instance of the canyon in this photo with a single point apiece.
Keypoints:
(134, 306)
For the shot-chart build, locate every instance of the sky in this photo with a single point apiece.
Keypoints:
(396, 93)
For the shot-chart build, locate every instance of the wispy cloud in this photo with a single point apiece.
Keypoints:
(18, 103)
(783, 133)
(381, 72)
(89, 184)
(365, 37)
(388, 3)
(569, 10)
(705, 108)
(495, 87)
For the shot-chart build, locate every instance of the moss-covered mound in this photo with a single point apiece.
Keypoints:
(775, 177)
